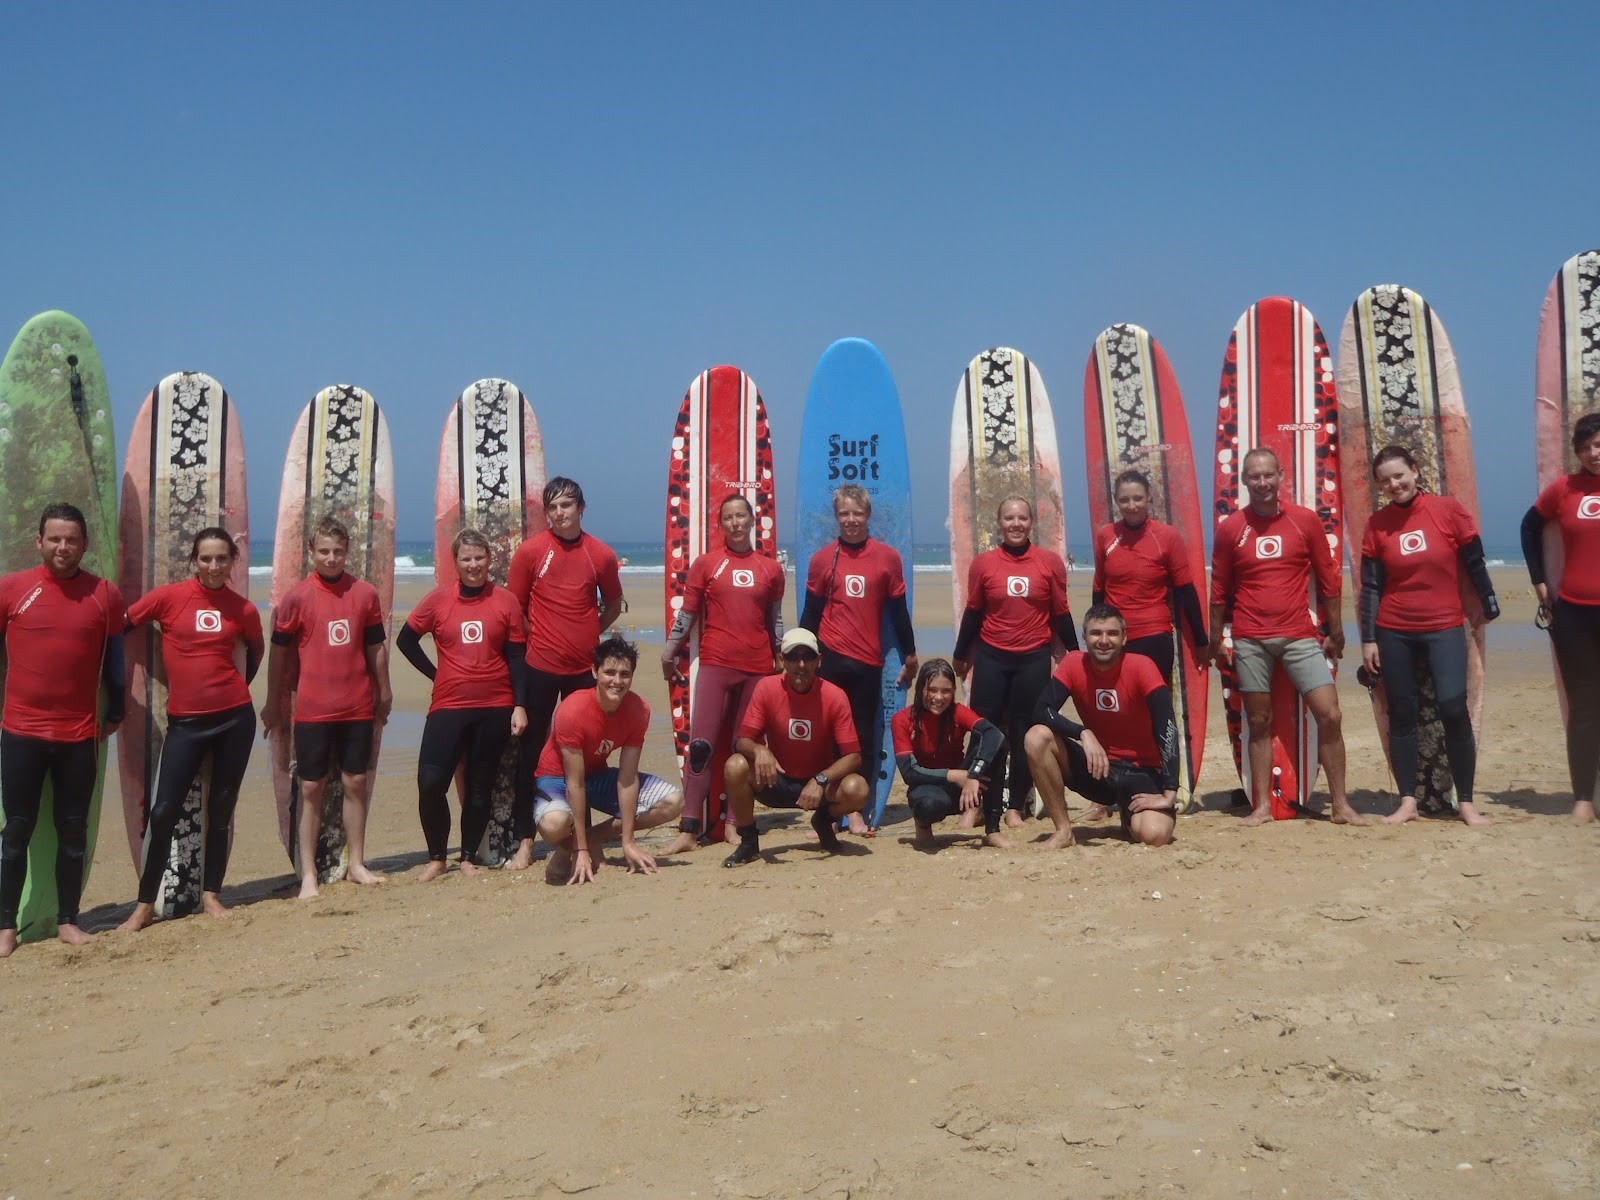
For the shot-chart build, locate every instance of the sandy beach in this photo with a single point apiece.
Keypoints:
(1300, 1010)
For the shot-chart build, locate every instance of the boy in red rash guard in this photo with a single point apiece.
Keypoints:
(590, 726)
(329, 639)
(1263, 558)
(1125, 754)
(568, 586)
(62, 628)
(797, 748)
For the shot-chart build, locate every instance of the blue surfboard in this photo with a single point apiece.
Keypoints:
(853, 432)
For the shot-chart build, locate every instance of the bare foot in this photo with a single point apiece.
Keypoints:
(308, 888)
(142, 917)
(858, 826)
(730, 834)
(1583, 812)
(1471, 816)
(1343, 814)
(1060, 839)
(1013, 819)
(211, 904)
(969, 819)
(1406, 812)
(435, 868)
(72, 935)
(8, 942)
(1257, 816)
(995, 840)
(522, 859)
(684, 843)
(558, 867)
(1096, 812)
(469, 869)
(359, 873)
(922, 839)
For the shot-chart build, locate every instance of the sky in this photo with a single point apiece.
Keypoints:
(599, 201)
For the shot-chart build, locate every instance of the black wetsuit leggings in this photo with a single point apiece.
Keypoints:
(862, 684)
(1005, 690)
(1158, 649)
(24, 764)
(545, 691)
(227, 737)
(1444, 652)
(931, 803)
(1575, 630)
(479, 736)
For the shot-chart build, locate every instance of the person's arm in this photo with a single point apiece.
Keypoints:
(775, 630)
(1326, 573)
(1373, 578)
(378, 671)
(966, 639)
(583, 865)
(516, 654)
(255, 649)
(1533, 552)
(905, 637)
(1066, 633)
(1164, 728)
(1047, 711)
(764, 766)
(281, 660)
(1188, 601)
(811, 614)
(1477, 571)
(1221, 590)
(628, 811)
(609, 612)
(409, 642)
(116, 677)
(1097, 586)
(682, 626)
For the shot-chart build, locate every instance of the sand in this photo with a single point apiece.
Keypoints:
(1300, 1010)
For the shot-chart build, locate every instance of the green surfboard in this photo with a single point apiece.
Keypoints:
(56, 444)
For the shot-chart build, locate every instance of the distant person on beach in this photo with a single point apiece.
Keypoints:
(1573, 614)
(1263, 559)
(797, 748)
(567, 584)
(330, 649)
(1414, 555)
(736, 596)
(62, 630)
(851, 586)
(477, 705)
(574, 778)
(944, 752)
(206, 629)
(1124, 756)
(1016, 604)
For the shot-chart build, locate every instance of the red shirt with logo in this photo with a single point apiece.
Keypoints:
(1573, 502)
(1019, 595)
(470, 635)
(1114, 705)
(328, 623)
(921, 740)
(857, 583)
(1137, 569)
(581, 724)
(807, 732)
(733, 594)
(201, 629)
(55, 634)
(1418, 545)
(1263, 566)
(561, 586)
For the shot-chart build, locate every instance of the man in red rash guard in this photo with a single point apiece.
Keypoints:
(797, 748)
(1125, 754)
(1262, 562)
(62, 627)
(590, 726)
(330, 647)
(567, 584)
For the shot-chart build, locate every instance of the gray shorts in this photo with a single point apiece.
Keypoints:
(1302, 660)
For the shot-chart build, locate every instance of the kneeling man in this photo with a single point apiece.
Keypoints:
(572, 776)
(796, 748)
(1125, 754)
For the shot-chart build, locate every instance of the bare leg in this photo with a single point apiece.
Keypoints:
(311, 791)
(1258, 712)
(1407, 811)
(355, 829)
(922, 839)
(142, 917)
(72, 935)
(1047, 757)
(1324, 705)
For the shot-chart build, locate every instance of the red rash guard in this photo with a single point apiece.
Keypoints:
(857, 588)
(1418, 545)
(923, 744)
(1114, 705)
(328, 624)
(1019, 595)
(580, 724)
(733, 594)
(555, 583)
(55, 634)
(1137, 570)
(1263, 566)
(470, 636)
(807, 732)
(200, 629)
(1573, 502)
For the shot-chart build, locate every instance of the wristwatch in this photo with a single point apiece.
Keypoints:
(822, 778)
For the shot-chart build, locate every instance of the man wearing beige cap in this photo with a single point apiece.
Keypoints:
(796, 748)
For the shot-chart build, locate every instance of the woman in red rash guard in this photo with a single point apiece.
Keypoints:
(204, 625)
(1573, 614)
(477, 703)
(737, 597)
(1016, 601)
(1413, 555)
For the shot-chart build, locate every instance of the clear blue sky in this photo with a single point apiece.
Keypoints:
(598, 201)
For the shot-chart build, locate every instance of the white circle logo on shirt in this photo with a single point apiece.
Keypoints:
(605, 747)
(339, 632)
(1105, 699)
(1017, 585)
(471, 632)
(799, 730)
(207, 620)
(855, 585)
(1413, 542)
(1589, 508)
(1270, 546)
(744, 579)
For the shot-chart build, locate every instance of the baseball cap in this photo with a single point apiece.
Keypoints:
(799, 639)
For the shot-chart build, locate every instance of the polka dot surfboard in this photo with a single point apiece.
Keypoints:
(491, 478)
(1277, 391)
(720, 445)
(184, 471)
(1398, 382)
(1134, 419)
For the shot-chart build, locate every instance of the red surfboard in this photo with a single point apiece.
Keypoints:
(1278, 392)
(720, 445)
(1133, 419)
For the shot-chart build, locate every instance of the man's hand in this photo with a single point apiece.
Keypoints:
(582, 869)
(1370, 659)
(1215, 652)
(1150, 802)
(765, 769)
(519, 721)
(382, 707)
(811, 795)
(1333, 644)
(1099, 762)
(908, 672)
(637, 859)
(669, 666)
